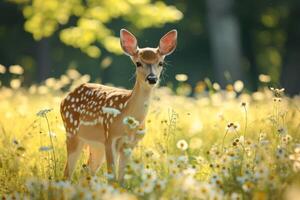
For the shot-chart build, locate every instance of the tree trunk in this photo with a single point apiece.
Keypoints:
(43, 59)
(291, 66)
(225, 40)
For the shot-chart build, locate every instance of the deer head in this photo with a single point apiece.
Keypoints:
(148, 61)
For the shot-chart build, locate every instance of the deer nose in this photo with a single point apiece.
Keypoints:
(151, 78)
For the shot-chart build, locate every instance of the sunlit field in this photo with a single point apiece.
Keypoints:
(219, 144)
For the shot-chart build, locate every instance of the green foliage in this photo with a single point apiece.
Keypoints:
(93, 17)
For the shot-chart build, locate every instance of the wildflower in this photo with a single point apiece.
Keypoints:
(141, 132)
(216, 86)
(248, 186)
(43, 113)
(242, 179)
(264, 78)
(296, 158)
(181, 77)
(215, 180)
(131, 122)
(109, 176)
(63, 184)
(280, 153)
(171, 160)
(229, 88)
(73, 74)
(127, 151)
(15, 83)
(139, 191)
(258, 96)
(149, 175)
(189, 171)
(282, 130)
(204, 190)
(182, 145)
(111, 111)
(127, 176)
(261, 172)
(136, 165)
(148, 186)
(286, 139)
(235, 196)
(262, 136)
(31, 183)
(232, 127)
(2, 69)
(243, 104)
(173, 170)
(161, 184)
(45, 148)
(239, 140)
(148, 153)
(183, 159)
(16, 69)
(188, 183)
(238, 86)
(277, 92)
(104, 190)
(199, 159)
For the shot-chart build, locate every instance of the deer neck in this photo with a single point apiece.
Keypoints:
(138, 102)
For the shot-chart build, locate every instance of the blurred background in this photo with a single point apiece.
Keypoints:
(255, 41)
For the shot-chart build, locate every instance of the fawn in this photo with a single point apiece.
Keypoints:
(95, 115)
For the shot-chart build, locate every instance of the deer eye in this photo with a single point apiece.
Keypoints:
(160, 64)
(138, 64)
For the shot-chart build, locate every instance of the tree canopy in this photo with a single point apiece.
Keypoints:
(85, 24)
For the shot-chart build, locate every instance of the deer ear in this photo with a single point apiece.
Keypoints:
(128, 42)
(168, 42)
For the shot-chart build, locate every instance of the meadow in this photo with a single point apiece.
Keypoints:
(219, 144)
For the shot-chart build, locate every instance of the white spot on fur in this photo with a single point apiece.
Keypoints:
(111, 111)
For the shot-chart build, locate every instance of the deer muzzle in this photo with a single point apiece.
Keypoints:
(152, 79)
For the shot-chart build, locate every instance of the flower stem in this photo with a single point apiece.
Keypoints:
(52, 144)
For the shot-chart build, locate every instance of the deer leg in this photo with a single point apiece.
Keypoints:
(96, 158)
(74, 148)
(109, 158)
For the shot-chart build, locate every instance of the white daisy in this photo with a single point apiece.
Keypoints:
(149, 175)
(131, 122)
(232, 127)
(147, 186)
(43, 112)
(182, 145)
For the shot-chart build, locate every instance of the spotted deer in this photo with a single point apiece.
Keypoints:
(95, 115)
